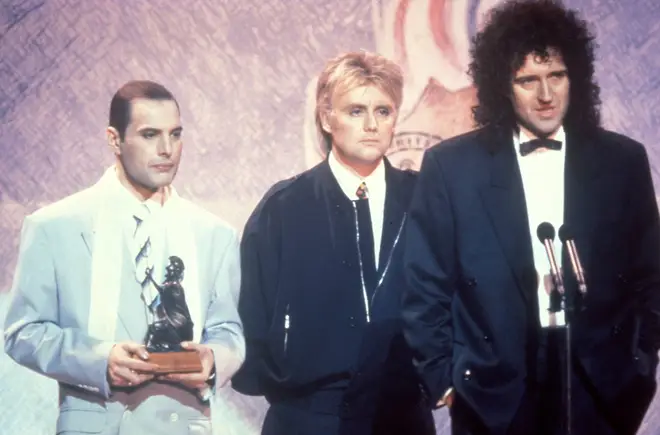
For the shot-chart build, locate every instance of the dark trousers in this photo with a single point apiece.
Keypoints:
(320, 413)
(542, 408)
(285, 419)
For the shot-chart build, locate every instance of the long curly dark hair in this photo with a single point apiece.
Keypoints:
(518, 28)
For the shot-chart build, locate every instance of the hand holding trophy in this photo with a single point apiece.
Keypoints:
(172, 325)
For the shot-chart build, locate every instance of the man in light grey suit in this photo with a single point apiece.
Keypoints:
(81, 304)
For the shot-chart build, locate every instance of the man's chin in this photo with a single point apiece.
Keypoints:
(363, 163)
(371, 160)
(162, 179)
(545, 130)
(159, 183)
(373, 154)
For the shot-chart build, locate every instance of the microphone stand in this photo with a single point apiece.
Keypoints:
(568, 390)
(569, 301)
(546, 235)
(567, 307)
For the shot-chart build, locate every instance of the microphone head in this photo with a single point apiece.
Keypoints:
(565, 233)
(545, 231)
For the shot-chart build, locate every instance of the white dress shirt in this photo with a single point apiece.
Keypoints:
(542, 174)
(349, 181)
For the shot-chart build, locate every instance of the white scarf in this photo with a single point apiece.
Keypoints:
(108, 252)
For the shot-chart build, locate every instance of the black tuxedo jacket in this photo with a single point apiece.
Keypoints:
(471, 310)
(308, 341)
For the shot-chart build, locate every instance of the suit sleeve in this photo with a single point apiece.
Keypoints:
(644, 267)
(429, 263)
(33, 337)
(223, 329)
(259, 278)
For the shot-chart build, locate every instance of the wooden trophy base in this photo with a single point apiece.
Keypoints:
(185, 361)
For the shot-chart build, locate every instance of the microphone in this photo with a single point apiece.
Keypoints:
(566, 237)
(546, 234)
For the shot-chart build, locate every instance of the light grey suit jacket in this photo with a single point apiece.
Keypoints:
(47, 320)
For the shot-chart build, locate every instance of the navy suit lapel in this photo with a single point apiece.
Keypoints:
(338, 207)
(583, 193)
(504, 200)
(398, 192)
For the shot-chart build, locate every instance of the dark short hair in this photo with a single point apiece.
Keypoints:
(518, 28)
(120, 106)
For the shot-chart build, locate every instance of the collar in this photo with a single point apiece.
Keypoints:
(349, 180)
(128, 203)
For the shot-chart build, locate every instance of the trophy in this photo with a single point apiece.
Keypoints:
(172, 325)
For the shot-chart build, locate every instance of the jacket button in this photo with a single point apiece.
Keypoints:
(352, 321)
(472, 282)
(467, 375)
(486, 339)
(616, 330)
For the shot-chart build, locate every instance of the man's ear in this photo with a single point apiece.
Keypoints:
(114, 140)
(324, 116)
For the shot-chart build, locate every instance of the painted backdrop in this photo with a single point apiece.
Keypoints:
(244, 72)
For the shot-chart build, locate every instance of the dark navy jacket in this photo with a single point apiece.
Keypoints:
(309, 345)
(470, 309)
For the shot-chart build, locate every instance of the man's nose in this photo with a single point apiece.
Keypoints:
(165, 146)
(545, 92)
(370, 123)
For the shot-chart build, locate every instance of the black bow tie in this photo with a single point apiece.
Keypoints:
(534, 144)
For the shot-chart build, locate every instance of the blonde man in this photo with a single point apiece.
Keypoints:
(322, 280)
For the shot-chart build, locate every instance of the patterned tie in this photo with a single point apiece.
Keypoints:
(143, 248)
(362, 192)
